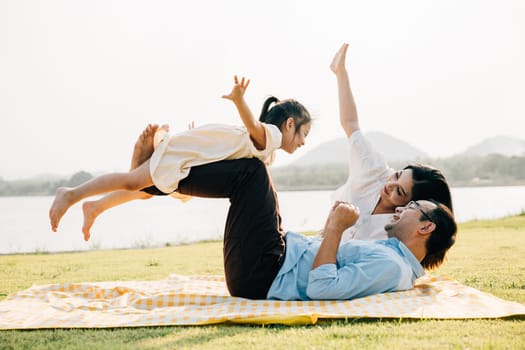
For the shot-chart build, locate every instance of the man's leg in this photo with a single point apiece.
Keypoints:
(253, 239)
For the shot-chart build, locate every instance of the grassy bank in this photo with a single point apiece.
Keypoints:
(488, 256)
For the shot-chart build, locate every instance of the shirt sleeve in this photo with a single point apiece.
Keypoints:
(273, 142)
(367, 277)
(365, 165)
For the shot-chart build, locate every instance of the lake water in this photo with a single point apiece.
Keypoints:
(24, 225)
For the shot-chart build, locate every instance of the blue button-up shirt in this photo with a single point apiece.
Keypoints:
(363, 268)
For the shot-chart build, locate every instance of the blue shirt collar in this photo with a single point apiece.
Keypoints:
(411, 258)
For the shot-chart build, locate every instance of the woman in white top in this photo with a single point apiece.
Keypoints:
(372, 186)
(282, 124)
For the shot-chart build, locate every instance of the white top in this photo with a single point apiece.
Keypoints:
(174, 156)
(367, 174)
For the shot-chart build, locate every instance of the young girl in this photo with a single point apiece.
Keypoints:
(282, 124)
(372, 186)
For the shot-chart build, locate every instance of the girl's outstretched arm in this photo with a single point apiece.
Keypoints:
(254, 127)
(347, 108)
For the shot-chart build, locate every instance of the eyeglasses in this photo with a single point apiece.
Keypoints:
(416, 205)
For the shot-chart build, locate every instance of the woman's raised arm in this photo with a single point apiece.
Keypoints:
(347, 108)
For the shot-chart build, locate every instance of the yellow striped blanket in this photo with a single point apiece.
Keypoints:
(199, 300)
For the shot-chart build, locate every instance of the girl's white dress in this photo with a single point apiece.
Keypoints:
(174, 156)
(367, 174)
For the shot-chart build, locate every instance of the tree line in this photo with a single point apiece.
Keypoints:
(35, 187)
(491, 170)
(460, 171)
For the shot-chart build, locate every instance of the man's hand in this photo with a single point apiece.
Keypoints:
(341, 216)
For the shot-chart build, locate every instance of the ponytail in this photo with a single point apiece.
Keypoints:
(265, 108)
(282, 110)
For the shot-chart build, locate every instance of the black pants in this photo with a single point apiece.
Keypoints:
(254, 244)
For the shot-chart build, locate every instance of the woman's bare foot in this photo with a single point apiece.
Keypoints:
(144, 146)
(63, 200)
(91, 212)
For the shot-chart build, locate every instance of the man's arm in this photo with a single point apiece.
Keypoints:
(358, 276)
(255, 128)
(342, 215)
(347, 108)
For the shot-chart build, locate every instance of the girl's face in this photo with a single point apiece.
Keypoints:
(292, 140)
(398, 189)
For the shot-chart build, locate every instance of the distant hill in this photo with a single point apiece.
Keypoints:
(498, 161)
(493, 162)
(336, 151)
(504, 145)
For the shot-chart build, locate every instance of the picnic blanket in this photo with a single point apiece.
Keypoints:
(200, 300)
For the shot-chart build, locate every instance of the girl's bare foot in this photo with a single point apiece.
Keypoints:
(89, 209)
(144, 146)
(63, 200)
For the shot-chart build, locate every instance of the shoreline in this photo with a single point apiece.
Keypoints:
(305, 189)
(152, 247)
(204, 241)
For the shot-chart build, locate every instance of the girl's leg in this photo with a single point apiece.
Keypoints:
(92, 209)
(144, 146)
(142, 151)
(253, 238)
(65, 197)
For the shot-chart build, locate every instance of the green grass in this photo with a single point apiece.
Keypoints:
(488, 255)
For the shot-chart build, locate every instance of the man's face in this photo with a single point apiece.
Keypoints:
(408, 219)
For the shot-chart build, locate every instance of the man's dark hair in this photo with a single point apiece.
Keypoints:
(442, 238)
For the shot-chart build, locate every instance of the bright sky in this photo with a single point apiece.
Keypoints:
(80, 79)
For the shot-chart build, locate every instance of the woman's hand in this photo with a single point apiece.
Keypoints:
(237, 93)
(338, 62)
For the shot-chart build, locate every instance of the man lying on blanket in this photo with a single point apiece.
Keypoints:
(261, 261)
